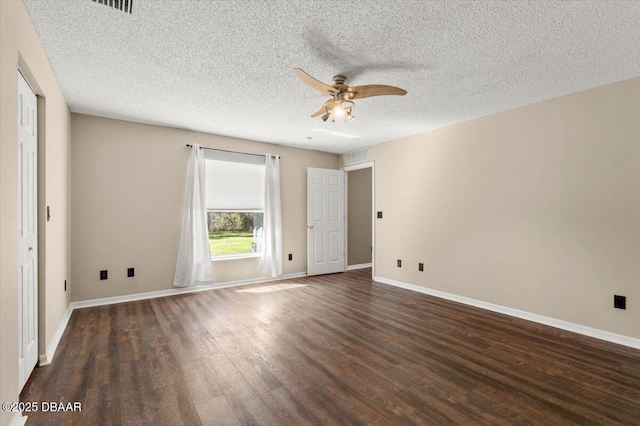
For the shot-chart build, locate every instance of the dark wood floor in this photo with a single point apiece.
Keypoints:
(340, 349)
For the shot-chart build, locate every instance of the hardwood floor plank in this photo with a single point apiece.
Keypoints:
(175, 406)
(318, 401)
(336, 349)
(291, 380)
(253, 411)
(385, 402)
(183, 349)
(167, 319)
(394, 379)
(102, 406)
(289, 410)
(232, 383)
(254, 372)
(138, 398)
(217, 412)
(200, 383)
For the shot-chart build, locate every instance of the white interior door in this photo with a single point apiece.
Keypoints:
(325, 229)
(27, 232)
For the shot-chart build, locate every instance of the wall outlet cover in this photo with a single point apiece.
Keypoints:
(103, 274)
(619, 302)
(131, 272)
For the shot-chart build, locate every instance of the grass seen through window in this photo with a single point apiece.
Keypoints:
(234, 233)
(230, 242)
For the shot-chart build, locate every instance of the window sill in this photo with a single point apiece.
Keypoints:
(235, 256)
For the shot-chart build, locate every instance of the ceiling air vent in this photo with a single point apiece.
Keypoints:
(357, 156)
(125, 6)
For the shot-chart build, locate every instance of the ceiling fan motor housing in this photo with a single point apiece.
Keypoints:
(339, 79)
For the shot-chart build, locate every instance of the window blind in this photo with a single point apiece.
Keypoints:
(234, 182)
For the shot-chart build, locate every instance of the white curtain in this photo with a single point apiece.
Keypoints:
(194, 256)
(272, 225)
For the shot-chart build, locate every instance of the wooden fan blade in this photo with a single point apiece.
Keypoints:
(316, 84)
(327, 107)
(320, 112)
(359, 92)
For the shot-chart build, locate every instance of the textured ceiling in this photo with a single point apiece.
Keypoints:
(226, 67)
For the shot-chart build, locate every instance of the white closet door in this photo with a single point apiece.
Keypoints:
(27, 231)
(325, 229)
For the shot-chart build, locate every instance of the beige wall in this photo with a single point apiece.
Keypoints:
(359, 217)
(22, 49)
(128, 186)
(537, 208)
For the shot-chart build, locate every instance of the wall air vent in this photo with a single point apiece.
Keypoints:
(357, 156)
(125, 6)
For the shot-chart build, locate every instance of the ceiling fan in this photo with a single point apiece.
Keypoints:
(341, 103)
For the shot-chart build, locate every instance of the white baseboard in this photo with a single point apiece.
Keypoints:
(18, 419)
(541, 319)
(181, 290)
(359, 266)
(46, 358)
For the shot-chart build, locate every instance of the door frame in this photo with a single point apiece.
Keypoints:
(351, 168)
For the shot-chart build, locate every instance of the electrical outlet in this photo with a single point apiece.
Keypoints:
(290, 256)
(103, 274)
(421, 267)
(399, 263)
(619, 302)
(130, 272)
(379, 215)
(65, 285)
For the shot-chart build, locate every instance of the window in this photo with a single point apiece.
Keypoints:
(234, 233)
(235, 203)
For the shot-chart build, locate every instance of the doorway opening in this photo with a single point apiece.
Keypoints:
(360, 224)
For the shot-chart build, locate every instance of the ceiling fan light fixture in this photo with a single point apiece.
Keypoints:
(325, 116)
(339, 111)
(342, 110)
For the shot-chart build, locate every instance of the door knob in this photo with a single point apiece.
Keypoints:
(310, 226)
